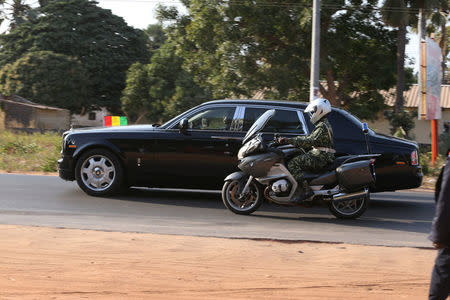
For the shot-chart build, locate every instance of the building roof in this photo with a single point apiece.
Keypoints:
(412, 96)
(22, 101)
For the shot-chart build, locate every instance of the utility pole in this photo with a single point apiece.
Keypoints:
(315, 52)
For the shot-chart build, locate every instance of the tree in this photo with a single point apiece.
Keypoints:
(357, 58)
(155, 37)
(135, 97)
(439, 19)
(395, 14)
(161, 89)
(237, 48)
(101, 41)
(48, 78)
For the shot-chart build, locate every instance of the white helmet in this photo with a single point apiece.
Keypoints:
(318, 108)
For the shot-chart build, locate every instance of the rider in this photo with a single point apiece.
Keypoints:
(319, 147)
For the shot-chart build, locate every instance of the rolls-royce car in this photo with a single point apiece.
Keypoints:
(198, 148)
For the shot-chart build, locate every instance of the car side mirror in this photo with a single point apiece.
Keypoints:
(183, 125)
(365, 128)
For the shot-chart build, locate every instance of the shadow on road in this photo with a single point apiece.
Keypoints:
(408, 213)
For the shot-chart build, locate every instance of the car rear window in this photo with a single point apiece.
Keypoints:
(285, 121)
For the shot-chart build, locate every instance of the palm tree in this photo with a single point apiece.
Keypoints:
(395, 14)
(15, 12)
(438, 24)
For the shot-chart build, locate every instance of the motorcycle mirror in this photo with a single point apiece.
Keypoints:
(365, 128)
(183, 125)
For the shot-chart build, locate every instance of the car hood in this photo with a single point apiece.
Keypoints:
(112, 129)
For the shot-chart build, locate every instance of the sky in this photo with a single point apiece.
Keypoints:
(137, 13)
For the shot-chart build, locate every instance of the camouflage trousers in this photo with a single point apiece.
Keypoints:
(310, 162)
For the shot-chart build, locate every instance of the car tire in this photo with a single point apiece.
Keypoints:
(99, 173)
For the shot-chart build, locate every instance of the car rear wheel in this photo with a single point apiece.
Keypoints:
(99, 173)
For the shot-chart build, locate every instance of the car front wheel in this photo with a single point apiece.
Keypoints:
(99, 173)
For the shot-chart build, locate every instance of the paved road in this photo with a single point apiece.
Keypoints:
(393, 219)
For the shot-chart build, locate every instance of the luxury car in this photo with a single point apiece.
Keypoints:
(198, 148)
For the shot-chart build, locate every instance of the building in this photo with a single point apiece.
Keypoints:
(18, 113)
(422, 130)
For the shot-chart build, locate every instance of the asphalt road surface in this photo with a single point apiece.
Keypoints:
(402, 218)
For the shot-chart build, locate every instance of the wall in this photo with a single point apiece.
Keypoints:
(83, 120)
(421, 131)
(52, 119)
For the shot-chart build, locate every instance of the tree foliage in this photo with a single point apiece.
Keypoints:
(104, 44)
(237, 48)
(52, 79)
(160, 89)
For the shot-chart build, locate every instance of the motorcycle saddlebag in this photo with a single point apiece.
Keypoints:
(355, 175)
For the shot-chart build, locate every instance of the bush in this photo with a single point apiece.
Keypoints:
(29, 152)
(428, 168)
(444, 143)
(402, 122)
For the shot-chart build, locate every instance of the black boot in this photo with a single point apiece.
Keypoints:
(303, 192)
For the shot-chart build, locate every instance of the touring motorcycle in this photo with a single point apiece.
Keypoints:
(344, 186)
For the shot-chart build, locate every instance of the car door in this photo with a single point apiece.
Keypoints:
(203, 154)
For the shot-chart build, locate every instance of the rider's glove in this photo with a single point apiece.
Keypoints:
(282, 140)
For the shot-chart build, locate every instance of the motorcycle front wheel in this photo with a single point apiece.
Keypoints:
(350, 209)
(242, 204)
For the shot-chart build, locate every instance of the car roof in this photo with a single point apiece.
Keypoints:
(259, 102)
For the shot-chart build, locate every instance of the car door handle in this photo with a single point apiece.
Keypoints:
(227, 138)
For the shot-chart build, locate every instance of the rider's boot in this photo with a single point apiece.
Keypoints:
(302, 193)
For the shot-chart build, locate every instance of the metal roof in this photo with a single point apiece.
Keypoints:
(412, 96)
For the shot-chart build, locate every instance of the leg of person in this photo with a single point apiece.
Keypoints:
(295, 167)
(440, 277)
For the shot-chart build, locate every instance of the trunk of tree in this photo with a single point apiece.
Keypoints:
(330, 92)
(443, 43)
(401, 42)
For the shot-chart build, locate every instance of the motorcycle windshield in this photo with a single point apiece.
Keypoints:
(258, 125)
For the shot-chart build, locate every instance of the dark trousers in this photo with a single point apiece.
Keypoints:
(440, 277)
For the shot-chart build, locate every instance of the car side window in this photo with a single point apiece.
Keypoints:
(215, 118)
(284, 121)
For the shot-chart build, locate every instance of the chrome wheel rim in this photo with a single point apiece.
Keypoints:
(98, 172)
(244, 203)
(350, 207)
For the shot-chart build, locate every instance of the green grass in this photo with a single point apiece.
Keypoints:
(29, 152)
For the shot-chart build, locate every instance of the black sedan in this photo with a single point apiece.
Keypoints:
(198, 148)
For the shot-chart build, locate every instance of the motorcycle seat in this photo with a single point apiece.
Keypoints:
(337, 162)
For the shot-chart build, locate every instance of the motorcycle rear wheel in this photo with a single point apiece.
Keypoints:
(350, 209)
(242, 205)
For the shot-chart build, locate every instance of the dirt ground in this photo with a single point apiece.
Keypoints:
(50, 263)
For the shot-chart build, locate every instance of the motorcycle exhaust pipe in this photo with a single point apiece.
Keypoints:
(341, 197)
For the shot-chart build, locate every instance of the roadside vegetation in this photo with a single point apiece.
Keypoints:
(39, 152)
(24, 152)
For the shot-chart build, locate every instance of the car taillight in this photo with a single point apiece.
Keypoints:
(414, 158)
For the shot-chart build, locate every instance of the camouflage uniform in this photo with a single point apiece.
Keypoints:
(314, 160)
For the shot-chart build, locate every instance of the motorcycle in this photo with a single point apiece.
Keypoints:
(344, 186)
